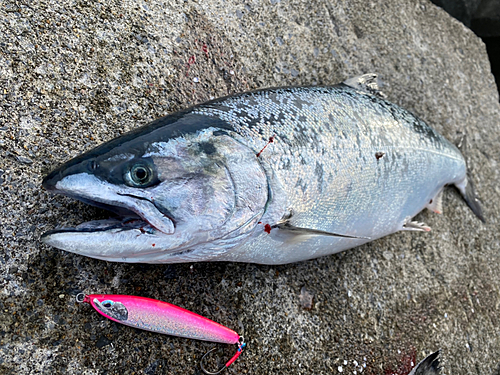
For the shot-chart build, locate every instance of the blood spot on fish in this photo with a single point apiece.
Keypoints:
(271, 140)
(378, 155)
(153, 245)
(267, 227)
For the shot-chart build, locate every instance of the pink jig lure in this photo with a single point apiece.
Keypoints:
(162, 317)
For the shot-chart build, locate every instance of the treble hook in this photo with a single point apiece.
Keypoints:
(241, 346)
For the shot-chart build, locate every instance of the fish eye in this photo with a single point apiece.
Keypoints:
(93, 165)
(139, 175)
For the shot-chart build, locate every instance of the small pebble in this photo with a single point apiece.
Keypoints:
(306, 299)
(340, 369)
(61, 296)
(387, 255)
(196, 80)
(24, 160)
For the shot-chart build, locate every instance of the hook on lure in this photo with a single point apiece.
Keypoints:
(162, 317)
(241, 346)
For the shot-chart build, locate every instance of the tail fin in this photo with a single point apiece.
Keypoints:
(468, 191)
(466, 187)
(429, 366)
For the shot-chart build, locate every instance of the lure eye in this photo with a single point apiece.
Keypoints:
(108, 303)
(139, 175)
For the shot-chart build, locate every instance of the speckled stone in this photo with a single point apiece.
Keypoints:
(76, 73)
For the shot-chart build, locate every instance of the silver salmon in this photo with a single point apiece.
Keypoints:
(272, 176)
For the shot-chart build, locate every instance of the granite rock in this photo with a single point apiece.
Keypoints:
(75, 73)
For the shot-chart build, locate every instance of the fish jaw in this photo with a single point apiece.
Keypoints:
(128, 240)
(133, 241)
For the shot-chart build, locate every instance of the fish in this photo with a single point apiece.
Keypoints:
(271, 176)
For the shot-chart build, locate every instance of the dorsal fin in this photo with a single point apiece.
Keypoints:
(367, 83)
(436, 203)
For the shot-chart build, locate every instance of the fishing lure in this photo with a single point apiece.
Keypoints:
(162, 317)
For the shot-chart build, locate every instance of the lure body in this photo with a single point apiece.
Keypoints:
(158, 316)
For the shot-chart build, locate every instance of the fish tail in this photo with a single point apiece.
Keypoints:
(468, 191)
(466, 186)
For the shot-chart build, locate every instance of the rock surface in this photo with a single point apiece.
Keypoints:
(75, 73)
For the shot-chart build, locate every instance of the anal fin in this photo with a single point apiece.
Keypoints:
(436, 203)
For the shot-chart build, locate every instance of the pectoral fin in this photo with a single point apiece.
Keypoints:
(291, 229)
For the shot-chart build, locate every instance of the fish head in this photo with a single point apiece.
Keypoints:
(186, 190)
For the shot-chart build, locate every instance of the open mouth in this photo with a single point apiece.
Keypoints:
(125, 219)
(134, 211)
(140, 230)
(105, 225)
(126, 237)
